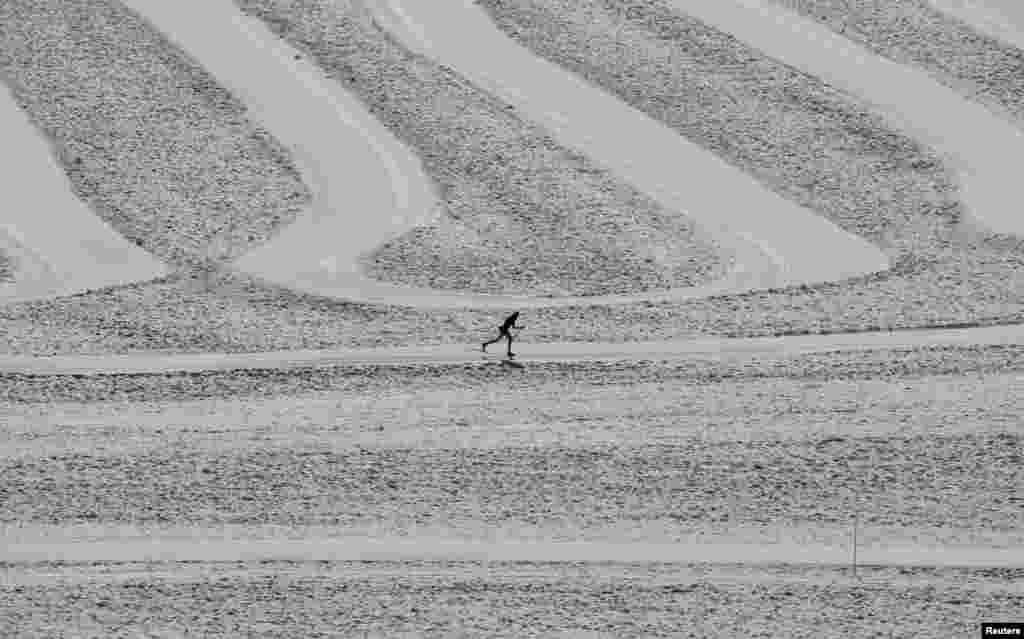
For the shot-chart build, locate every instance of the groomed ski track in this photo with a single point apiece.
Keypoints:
(143, 363)
(226, 544)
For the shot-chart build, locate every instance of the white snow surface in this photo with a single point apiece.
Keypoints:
(59, 246)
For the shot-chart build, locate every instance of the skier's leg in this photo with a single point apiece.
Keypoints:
(509, 337)
(493, 341)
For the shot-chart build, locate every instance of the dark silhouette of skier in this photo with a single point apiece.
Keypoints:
(503, 331)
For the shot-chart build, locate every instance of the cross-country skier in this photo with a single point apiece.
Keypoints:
(503, 331)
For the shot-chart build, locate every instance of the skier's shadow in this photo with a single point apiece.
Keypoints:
(513, 363)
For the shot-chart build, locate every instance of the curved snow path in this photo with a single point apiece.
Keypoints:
(58, 245)
(352, 162)
(982, 148)
(367, 186)
(525, 352)
(677, 173)
(1001, 19)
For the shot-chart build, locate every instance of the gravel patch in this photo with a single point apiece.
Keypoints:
(444, 599)
(930, 489)
(675, 411)
(146, 137)
(6, 268)
(520, 213)
(209, 312)
(979, 66)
